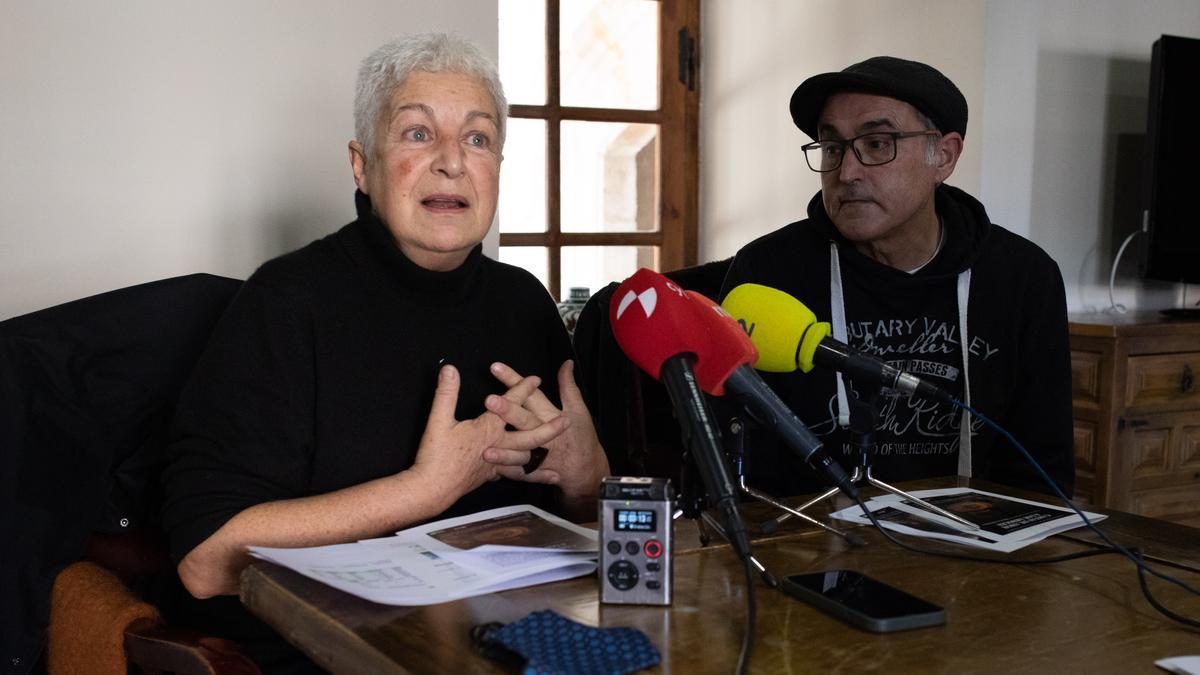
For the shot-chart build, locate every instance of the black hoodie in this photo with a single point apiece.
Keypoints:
(1018, 368)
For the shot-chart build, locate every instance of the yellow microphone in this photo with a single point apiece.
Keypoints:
(789, 337)
(785, 332)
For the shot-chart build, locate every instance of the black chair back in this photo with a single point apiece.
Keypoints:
(87, 391)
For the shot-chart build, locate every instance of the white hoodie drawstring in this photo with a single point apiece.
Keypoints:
(964, 431)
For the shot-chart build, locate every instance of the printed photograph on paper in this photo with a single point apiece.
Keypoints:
(911, 520)
(523, 528)
(994, 513)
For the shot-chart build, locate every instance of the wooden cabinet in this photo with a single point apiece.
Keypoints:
(1137, 414)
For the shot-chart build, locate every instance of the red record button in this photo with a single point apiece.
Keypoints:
(652, 548)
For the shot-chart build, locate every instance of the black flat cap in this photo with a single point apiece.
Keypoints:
(922, 86)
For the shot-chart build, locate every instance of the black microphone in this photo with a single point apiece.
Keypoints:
(770, 411)
(655, 324)
(789, 337)
(699, 432)
(831, 353)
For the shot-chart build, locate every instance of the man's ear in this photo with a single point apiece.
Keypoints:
(950, 147)
(358, 164)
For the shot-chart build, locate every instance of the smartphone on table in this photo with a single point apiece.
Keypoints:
(862, 601)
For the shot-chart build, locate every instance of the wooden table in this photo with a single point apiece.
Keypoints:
(1084, 615)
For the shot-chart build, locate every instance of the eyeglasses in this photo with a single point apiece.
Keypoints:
(873, 149)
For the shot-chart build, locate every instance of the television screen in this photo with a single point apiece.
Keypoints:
(1171, 175)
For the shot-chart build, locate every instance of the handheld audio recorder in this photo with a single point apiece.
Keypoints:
(636, 543)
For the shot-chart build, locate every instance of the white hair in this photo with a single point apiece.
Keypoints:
(387, 68)
(931, 142)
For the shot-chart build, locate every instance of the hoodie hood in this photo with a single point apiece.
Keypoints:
(967, 229)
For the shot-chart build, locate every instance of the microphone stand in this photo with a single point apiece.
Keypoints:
(864, 419)
(690, 502)
(737, 429)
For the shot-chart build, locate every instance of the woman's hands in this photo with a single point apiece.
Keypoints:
(454, 458)
(575, 461)
(451, 456)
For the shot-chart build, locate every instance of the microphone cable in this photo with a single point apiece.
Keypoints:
(748, 636)
(1134, 555)
(751, 619)
(1113, 305)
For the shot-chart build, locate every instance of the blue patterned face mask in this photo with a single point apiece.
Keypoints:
(551, 644)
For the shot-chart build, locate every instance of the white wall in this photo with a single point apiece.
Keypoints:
(1057, 96)
(753, 178)
(1065, 96)
(145, 139)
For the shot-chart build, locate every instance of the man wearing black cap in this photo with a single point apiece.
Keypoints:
(912, 271)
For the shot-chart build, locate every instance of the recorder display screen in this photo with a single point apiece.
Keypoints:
(635, 520)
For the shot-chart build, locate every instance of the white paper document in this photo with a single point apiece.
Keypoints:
(1004, 523)
(490, 551)
(1180, 665)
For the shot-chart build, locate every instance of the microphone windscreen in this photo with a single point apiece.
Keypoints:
(650, 319)
(727, 345)
(653, 319)
(785, 332)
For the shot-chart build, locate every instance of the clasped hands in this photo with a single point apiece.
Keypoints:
(468, 453)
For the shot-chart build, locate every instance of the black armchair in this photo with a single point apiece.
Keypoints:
(87, 390)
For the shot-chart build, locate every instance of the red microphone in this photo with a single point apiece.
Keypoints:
(653, 319)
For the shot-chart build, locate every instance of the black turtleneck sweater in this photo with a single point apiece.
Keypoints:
(321, 374)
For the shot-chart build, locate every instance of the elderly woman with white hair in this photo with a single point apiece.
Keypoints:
(388, 373)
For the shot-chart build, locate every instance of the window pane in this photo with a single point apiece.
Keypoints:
(533, 259)
(523, 50)
(523, 177)
(609, 53)
(609, 175)
(594, 267)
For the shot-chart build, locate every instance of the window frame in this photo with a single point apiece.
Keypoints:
(678, 120)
